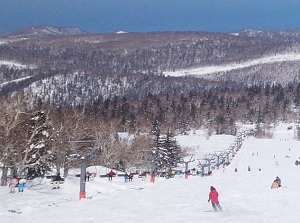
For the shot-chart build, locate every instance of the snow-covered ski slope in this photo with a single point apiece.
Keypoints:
(245, 196)
(13, 64)
(198, 72)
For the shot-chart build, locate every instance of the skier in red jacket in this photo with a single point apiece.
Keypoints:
(110, 175)
(213, 197)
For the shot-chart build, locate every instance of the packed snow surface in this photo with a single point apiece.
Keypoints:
(14, 64)
(245, 196)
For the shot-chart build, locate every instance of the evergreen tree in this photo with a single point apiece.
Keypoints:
(38, 157)
(158, 149)
(166, 152)
(173, 154)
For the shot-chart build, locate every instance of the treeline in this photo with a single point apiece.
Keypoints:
(215, 109)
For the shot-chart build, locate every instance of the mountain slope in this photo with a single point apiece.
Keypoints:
(288, 63)
(244, 195)
(43, 31)
(242, 58)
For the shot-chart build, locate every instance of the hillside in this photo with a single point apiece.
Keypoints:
(84, 67)
(42, 31)
(244, 195)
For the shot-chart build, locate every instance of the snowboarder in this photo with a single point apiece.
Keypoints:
(213, 197)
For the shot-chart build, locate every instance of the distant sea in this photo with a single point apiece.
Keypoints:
(102, 16)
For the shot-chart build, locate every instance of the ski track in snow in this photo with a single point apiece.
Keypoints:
(233, 66)
(13, 64)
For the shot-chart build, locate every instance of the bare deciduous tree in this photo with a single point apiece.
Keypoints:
(12, 113)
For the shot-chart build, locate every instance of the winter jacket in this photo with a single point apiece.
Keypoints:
(274, 184)
(213, 196)
(14, 182)
(111, 173)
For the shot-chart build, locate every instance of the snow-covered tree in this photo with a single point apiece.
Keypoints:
(38, 157)
(158, 149)
(173, 150)
(165, 150)
(70, 125)
(12, 114)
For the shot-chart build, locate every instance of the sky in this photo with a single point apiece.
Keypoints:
(105, 16)
(245, 196)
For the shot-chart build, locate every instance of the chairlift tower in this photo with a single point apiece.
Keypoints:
(232, 146)
(186, 165)
(218, 155)
(238, 141)
(91, 152)
(209, 158)
(226, 155)
(202, 164)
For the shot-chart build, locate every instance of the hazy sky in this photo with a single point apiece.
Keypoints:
(151, 15)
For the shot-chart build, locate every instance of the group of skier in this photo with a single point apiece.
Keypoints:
(213, 196)
(15, 182)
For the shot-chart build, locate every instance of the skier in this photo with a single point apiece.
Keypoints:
(152, 178)
(110, 175)
(87, 176)
(143, 176)
(213, 197)
(21, 185)
(278, 180)
(56, 181)
(130, 177)
(13, 183)
(126, 176)
(274, 184)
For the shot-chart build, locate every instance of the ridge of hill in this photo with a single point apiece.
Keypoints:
(53, 56)
(43, 31)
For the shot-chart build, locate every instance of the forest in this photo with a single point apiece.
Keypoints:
(36, 138)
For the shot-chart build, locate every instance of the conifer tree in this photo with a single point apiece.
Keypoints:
(158, 149)
(166, 152)
(173, 155)
(37, 155)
